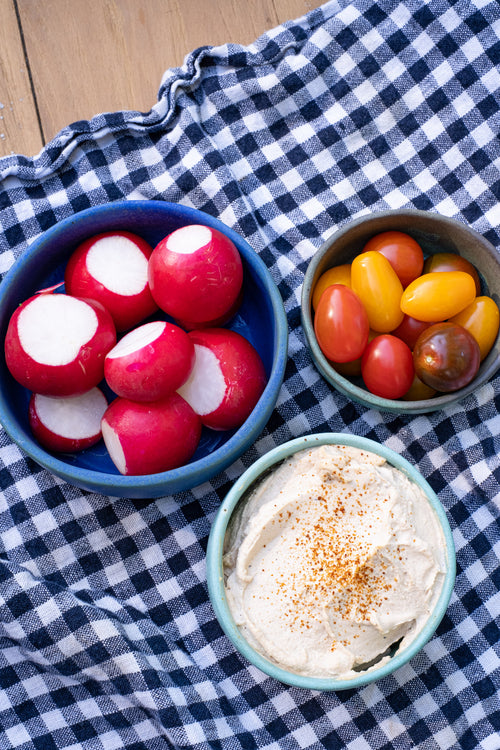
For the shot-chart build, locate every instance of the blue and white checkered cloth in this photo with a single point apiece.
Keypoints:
(107, 637)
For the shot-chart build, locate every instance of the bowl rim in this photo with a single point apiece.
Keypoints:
(343, 384)
(215, 576)
(195, 473)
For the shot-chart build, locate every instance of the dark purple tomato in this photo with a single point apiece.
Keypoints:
(446, 357)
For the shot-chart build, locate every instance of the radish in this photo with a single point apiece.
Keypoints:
(112, 267)
(195, 274)
(227, 380)
(67, 424)
(189, 325)
(147, 438)
(150, 362)
(55, 344)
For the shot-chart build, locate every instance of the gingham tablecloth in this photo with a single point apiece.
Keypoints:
(107, 637)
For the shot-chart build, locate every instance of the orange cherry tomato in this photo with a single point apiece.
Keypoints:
(435, 297)
(452, 262)
(403, 253)
(341, 324)
(419, 391)
(336, 275)
(482, 319)
(377, 285)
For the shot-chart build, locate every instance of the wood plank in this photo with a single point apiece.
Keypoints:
(91, 56)
(19, 129)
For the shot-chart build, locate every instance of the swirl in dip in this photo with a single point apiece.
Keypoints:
(333, 559)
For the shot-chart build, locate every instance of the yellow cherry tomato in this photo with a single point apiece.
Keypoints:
(482, 319)
(437, 296)
(336, 275)
(377, 285)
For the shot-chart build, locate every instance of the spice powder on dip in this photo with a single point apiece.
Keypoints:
(332, 559)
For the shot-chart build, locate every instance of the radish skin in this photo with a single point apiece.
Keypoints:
(68, 424)
(150, 362)
(112, 267)
(148, 438)
(196, 274)
(55, 344)
(227, 380)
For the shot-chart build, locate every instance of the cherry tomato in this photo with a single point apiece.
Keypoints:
(403, 253)
(341, 324)
(452, 262)
(446, 357)
(419, 391)
(377, 285)
(435, 297)
(482, 319)
(352, 369)
(410, 329)
(387, 366)
(336, 275)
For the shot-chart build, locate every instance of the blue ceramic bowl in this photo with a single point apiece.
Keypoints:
(261, 319)
(215, 574)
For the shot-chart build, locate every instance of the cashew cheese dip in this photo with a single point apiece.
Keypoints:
(333, 562)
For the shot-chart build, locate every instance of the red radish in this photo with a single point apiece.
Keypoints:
(55, 344)
(195, 274)
(147, 438)
(150, 362)
(227, 380)
(112, 268)
(189, 325)
(67, 424)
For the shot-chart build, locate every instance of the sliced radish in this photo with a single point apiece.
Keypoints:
(55, 344)
(112, 268)
(195, 274)
(227, 380)
(147, 438)
(150, 362)
(67, 424)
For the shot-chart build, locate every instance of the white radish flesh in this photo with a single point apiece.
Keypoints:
(67, 424)
(55, 344)
(150, 362)
(112, 268)
(148, 438)
(227, 380)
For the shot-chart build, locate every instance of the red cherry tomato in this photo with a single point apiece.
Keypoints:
(387, 366)
(410, 329)
(452, 262)
(446, 357)
(341, 324)
(403, 253)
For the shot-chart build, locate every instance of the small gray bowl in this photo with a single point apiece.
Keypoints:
(435, 234)
(215, 569)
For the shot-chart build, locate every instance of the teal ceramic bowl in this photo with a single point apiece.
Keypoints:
(215, 573)
(261, 319)
(435, 234)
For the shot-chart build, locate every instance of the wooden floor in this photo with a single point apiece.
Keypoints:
(66, 60)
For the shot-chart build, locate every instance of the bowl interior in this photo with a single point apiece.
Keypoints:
(215, 571)
(261, 319)
(435, 234)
